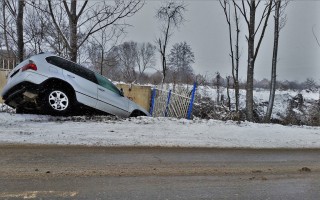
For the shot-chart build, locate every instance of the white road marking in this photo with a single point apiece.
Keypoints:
(36, 194)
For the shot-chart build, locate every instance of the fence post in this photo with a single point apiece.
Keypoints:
(167, 105)
(191, 101)
(152, 100)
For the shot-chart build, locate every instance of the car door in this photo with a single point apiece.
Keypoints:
(110, 99)
(82, 80)
(86, 90)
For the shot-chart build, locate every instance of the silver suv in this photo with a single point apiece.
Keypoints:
(51, 84)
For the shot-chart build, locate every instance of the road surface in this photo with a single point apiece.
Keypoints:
(77, 172)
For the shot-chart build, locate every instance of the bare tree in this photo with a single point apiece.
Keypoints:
(55, 37)
(156, 78)
(228, 92)
(14, 10)
(126, 61)
(86, 19)
(181, 58)
(25, 29)
(20, 41)
(248, 9)
(4, 24)
(217, 83)
(127, 55)
(171, 16)
(111, 67)
(279, 23)
(145, 57)
(100, 46)
(36, 30)
(234, 50)
(310, 84)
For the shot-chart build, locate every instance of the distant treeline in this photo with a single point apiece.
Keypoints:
(309, 83)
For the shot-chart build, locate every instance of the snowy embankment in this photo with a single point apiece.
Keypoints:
(261, 99)
(166, 132)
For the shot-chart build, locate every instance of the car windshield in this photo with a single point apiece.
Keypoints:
(104, 82)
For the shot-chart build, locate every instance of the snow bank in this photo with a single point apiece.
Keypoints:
(145, 131)
(261, 97)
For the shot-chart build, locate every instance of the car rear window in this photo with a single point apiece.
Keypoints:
(73, 68)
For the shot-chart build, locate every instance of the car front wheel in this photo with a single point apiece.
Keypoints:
(58, 102)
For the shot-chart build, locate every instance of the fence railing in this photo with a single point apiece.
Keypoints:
(7, 60)
(178, 104)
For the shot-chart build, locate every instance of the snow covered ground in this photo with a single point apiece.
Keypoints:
(145, 131)
(261, 96)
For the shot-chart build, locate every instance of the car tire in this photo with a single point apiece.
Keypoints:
(137, 113)
(58, 101)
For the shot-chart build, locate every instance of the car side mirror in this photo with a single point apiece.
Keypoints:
(121, 92)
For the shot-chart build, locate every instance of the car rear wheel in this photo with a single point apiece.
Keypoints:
(58, 101)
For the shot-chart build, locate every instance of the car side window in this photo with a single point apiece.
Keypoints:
(102, 81)
(72, 67)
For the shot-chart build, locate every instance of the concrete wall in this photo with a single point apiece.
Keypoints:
(141, 95)
(3, 81)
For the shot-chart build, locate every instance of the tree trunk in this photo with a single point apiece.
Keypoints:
(236, 70)
(73, 31)
(5, 35)
(164, 66)
(20, 43)
(234, 56)
(274, 61)
(218, 87)
(228, 93)
(102, 60)
(164, 61)
(250, 70)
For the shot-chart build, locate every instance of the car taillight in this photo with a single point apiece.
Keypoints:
(29, 66)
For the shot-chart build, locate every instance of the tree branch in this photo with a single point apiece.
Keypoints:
(314, 35)
(82, 9)
(66, 8)
(126, 11)
(263, 30)
(242, 11)
(57, 26)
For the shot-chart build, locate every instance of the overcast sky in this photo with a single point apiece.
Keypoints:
(205, 30)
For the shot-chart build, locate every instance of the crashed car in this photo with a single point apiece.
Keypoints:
(54, 85)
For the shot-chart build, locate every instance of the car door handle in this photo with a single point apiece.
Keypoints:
(101, 89)
(70, 76)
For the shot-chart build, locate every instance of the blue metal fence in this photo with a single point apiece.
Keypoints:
(191, 101)
(166, 103)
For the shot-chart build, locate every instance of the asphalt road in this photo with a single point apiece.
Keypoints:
(61, 172)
